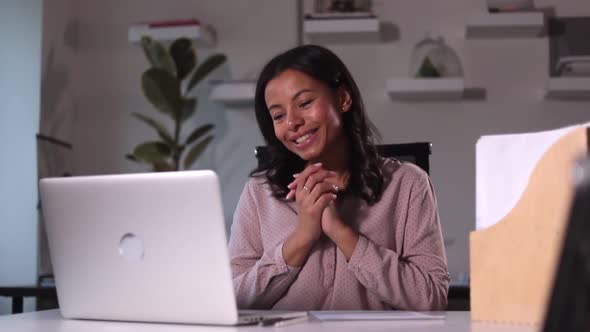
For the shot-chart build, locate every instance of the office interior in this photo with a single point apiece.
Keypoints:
(69, 72)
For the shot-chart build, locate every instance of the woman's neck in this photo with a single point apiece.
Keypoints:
(337, 159)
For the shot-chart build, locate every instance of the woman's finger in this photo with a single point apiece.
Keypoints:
(324, 200)
(320, 189)
(315, 178)
(305, 181)
(290, 195)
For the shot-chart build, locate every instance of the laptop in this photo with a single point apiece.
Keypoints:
(148, 247)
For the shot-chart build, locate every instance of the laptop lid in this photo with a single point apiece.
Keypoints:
(140, 247)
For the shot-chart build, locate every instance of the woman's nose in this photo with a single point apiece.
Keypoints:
(294, 122)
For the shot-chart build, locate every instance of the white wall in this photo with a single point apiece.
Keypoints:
(512, 71)
(105, 71)
(20, 63)
(106, 82)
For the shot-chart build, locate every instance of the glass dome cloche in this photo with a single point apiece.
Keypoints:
(432, 58)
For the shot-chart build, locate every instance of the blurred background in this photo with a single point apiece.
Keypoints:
(70, 78)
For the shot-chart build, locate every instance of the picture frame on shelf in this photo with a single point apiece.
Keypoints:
(569, 51)
(337, 21)
(569, 59)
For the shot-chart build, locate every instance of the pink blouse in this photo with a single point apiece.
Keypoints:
(399, 261)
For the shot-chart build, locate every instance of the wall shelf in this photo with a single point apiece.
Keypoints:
(234, 93)
(330, 27)
(568, 88)
(506, 25)
(202, 34)
(424, 89)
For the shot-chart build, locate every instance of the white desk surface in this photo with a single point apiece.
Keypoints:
(51, 321)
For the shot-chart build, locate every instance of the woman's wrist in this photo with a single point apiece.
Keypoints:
(345, 239)
(296, 248)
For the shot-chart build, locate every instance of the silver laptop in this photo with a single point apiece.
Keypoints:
(142, 247)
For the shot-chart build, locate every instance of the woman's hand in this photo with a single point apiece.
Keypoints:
(331, 221)
(341, 234)
(312, 195)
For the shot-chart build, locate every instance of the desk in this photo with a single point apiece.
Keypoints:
(458, 297)
(51, 321)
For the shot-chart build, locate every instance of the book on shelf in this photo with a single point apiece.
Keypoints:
(165, 30)
(172, 23)
(339, 15)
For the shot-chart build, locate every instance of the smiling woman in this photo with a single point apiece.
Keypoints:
(303, 113)
(327, 224)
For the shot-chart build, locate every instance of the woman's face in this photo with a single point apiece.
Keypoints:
(306, 114)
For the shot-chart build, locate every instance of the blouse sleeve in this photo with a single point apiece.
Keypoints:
(260, 275)
(417, 278)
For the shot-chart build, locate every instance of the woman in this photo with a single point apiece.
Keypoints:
(327, 224)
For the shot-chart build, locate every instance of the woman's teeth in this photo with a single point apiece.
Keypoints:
(302, 138)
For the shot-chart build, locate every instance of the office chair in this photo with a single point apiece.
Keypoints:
(417, 153)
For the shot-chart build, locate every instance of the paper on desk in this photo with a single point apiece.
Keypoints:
(504, 164)
(375, 315)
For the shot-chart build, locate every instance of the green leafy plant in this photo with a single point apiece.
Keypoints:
(427, 69)
(172, 75)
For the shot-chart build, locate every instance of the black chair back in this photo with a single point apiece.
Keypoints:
(416, 153)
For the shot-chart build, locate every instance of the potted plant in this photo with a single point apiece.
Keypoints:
(167, 84)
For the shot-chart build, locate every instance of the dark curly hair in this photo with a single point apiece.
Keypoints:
(366, 178)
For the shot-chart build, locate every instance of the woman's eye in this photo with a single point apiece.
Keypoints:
(305, 104)
(277, 117)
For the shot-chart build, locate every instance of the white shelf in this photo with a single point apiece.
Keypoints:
(423, 89)
(506, 25)
(346, 25)
(201, 34)
(234, 92)
(318, 26)
(568, 88)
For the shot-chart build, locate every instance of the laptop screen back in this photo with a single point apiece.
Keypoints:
(140, 247)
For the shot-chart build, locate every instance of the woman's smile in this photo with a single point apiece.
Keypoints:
(305, 139)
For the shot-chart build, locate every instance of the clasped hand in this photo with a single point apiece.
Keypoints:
(315, 191)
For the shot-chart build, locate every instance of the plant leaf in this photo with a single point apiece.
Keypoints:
(205, 68)
(189, 106)
(198, 132)
(152, 152)
(157, 55)
(162, 131)
(162, 166)
(196, 151)
(162, 90)
(131, 157)
(427, 69)
(184, 57)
